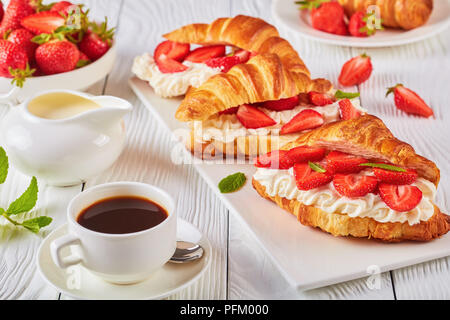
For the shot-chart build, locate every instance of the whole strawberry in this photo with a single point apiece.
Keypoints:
(97, 41)
(22, 37)
(14, 62)
(57, 56)
(61, 7)
(15, 12)
(326, 16)
(359, 25)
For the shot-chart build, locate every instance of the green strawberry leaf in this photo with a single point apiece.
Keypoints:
(346, 95)
(232, 183)
(3, 165)
(26, 201)
(316, 167)
(383, 166)
(35, 224)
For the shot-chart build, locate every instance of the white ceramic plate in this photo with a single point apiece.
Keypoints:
(79, 283)
(286, 12)
(308, 258)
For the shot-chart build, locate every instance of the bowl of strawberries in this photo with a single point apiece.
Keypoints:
(53, 46)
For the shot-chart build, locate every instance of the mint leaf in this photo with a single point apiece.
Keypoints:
(383, 166)
(26, 201)
(3, 165)
(232, 183)
(346, 95)
(35, 224)
(316, 167)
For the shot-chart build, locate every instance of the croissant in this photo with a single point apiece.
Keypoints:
(405, 14)
(249, 33)
(366, 136)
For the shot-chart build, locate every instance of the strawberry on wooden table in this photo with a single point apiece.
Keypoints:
(15, 12)
(340, 162)
(319, 99)
(348, 110)
(281, 104)
(354, 185)
(395, 177)
(43, 22)
(202, 54)
(356, 70)
(304, 120)
(253, 118)
(306, 178)
(57, 56)
(407, 100)
(400, 197)
(276, 159)
(305, 153)
(22, 37)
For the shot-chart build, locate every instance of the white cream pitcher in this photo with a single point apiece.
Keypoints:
(64, 137)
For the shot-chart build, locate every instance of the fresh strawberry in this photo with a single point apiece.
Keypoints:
(11, 56)
(395, 177)
(98, 40)
(358, 24)
(253, 118)
(305, 154)
(232, 110)
(348, 111)
(307, 179)
(172, 50)
(64, 7)
(2, 12)
(409, 101)
(282, 104)
(244, 55)
(341, 29)
(400, 198)
(57, 56)
(275, 160)
(223, 63)
(340, 162)
(319, 99)
(356, 71)
(327, 16)
(83, 60)
(202, 54)
(304, 120)
(22, 37)
(354, 185)
(15, 12)
(167, 65)
(43, 22)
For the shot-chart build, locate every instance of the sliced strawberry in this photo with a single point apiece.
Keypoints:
(354, 185)
(172, 50)
(348, 111)
(340, 162)
(243, 55)
(395, 177)
(232, 110)
(223, 63)
(319, 99)
(356, 71)
(400, 198)
(358, 25)
(409, 101)
(304, 120)
(307, 179)
(282, 104)
(43, 22)
(275, 160)
(252, 118)
(341, 29)
(305, 154)
(167, 65)
(202, 54)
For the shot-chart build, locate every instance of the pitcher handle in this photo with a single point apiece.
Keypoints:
(10, 98)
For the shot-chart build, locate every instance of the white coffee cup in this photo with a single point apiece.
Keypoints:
(118, 258)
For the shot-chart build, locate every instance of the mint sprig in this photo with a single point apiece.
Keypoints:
(316, 167)
(383, 166)
(232, 183)
(346, 95)
(3, 165)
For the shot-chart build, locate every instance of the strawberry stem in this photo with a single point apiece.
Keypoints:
(20, 75)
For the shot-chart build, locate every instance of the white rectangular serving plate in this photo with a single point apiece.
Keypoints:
(308, 258)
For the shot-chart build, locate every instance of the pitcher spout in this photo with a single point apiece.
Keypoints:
(111, 111)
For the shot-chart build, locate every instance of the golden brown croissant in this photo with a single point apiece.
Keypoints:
(405, 14)
(366, 136)
(245, 32)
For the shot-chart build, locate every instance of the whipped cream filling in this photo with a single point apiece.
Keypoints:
(326, 198)
(174, 84)
(226, 127)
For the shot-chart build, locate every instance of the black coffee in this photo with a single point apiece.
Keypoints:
(123, 214)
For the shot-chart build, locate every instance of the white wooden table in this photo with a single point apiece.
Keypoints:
(240, 269)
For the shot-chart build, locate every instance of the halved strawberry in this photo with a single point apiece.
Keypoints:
(252, 118)
(305, 154)
(43, 22)
(400, 198)
(232, 110)
(223, 63)
(304, 120)
(354, 185)
(202, 54)
(319, 99)
(356, 71)
(243, 55)
(348, 111)
(340, 162)
(167, 65)
(409, 101)
(359, 25)
(395, 177)
(275, 160)
(282, 104)
(172, 50)
(307, 179)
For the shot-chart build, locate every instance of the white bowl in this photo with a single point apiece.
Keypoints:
(78, 79)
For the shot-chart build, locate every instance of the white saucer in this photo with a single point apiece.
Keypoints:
(78, 282)
(286, 12)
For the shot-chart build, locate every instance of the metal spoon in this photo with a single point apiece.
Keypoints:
(186, 252)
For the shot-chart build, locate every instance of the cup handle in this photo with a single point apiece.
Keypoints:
(57, 245)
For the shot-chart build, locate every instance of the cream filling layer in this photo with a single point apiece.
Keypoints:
(326, 198)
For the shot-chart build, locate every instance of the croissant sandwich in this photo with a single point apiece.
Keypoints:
(405, 14)
(354, 178)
